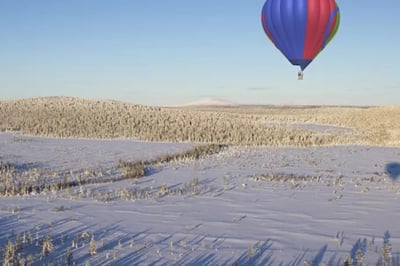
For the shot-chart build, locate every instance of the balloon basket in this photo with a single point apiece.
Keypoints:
(300, 75)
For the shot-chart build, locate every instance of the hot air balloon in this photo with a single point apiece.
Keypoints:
(300, 29)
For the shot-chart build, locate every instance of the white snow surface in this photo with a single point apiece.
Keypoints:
(347, 206)
(65, 154)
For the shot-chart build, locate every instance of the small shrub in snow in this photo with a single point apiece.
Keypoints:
(9, 256)
(47, 245)
(386, 250)
(69, 256)
(92, 247)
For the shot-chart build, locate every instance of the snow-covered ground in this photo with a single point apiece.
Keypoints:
(245, 205)
(78, 153)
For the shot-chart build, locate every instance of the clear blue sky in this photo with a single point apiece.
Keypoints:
(170, 52)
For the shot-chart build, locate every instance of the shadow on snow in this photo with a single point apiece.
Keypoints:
(393, 170)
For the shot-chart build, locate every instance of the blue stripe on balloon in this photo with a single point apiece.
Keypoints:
(326, 34)
(303, 63)
(274, 22)
(287, 23)
(299, 20)
(288, 27)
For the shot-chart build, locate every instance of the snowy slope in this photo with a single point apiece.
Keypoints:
(243, 209)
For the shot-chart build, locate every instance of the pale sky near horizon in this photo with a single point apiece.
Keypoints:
(177, 51)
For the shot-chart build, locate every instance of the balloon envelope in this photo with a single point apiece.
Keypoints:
(300, 29)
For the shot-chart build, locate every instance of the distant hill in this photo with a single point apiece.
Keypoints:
(210, 102)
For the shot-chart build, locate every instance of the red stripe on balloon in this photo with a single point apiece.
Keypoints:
(318, 12)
